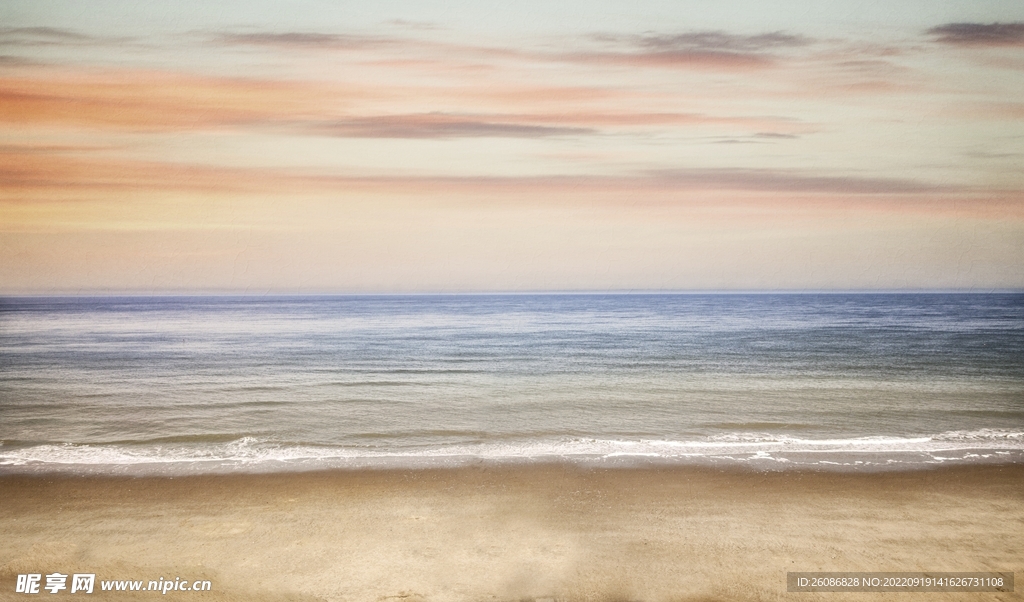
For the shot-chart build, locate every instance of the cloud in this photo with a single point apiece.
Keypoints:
(708, 49)
(439, 125)
(158, 101)
(414, 25)
(295, 39)
(775, 135)
(768, 180)
(66, 170)
(998, 111)
(7, 60)
(40, 35)
(675, 58)
(51, 36)
(153, 101)
(979, 34)
(757, 138)
(41, 170)
(699, 49)
(718, 41)
(519, 125)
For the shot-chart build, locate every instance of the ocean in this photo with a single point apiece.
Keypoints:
(178, 385)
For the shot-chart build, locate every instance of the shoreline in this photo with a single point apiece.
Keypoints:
(443, 464)
(505, 532)
(248, 455)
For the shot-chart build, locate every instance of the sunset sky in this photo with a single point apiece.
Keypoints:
(349, 147)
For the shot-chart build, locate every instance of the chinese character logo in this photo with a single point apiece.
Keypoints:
(28, 584)
(82, 582)
(56, 582)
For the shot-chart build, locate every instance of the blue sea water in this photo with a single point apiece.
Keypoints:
(207, 384)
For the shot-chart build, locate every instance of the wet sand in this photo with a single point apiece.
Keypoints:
(513, 533)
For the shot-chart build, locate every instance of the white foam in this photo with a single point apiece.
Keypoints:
(752, 448)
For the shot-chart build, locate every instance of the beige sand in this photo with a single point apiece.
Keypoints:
(513, 533)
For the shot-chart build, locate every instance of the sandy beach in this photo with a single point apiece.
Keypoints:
(513, 533)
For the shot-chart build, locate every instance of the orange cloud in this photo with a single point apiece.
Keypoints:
(27, 169)
(154, 100)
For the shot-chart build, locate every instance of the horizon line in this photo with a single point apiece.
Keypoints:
(614, 292)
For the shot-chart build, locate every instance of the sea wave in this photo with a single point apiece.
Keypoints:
(753, 449)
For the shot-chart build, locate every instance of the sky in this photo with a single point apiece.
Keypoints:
(395, 147)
